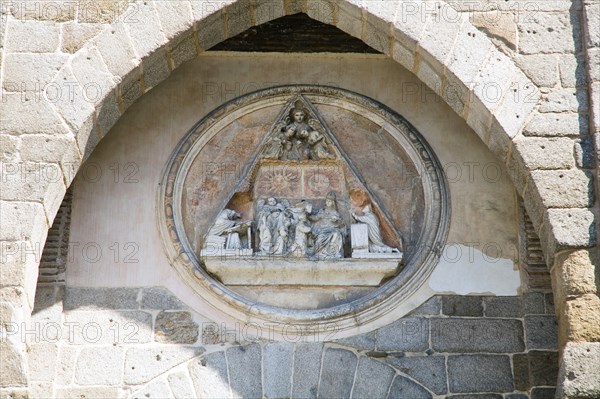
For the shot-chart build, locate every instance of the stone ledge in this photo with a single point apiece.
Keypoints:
(268, 271)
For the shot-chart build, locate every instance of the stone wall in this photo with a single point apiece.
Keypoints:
(145, 343)
(552, 44)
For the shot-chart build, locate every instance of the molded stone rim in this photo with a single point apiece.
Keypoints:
(418, 266)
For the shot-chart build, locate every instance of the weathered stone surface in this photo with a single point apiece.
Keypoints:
(52, 149)
(479, 373)
(37, 182)
(541, 332)
(361, 342)
(42, 361)
(65, 366)
(594, 64)
(579, 375)
(181, 385)
(544, 153)
(337, 374)
(470, 52)
(540, 68)
(429, 371)
(131, 89)
(404, 388)
(245, 372)
(440, 35)
(212, 367)
(76, 34)
(175, 17)
(326, 11)
(32, 37)
(268, 11)
(117, 50)
(99, 365)
(106, 11)
(277, 368)
(92, 73)
(212, 30)
(583, 318)
(585, 156)
(24, 113)
(560, 189)
(575, 274)
(91, 392)
(533, 303)
(549, 33)
(146, 37)
(108, 113)
(409, 25)
(160, 298)
(432, 306)
(557, 124)
(175, 328)
(156, 69)
(521, 372)
(8, 145)
(184, 50)
(43, 10)
(143, 364)
(500, 26)
(549, 302)
(569, 228)
(543, 393)
(12, 372)
(22, 221)
(543, 367)
(471, 306)
(349, 19)
(565, 100)
(480, 396)
(157, 389)
(409, 334)
(503, 306)
(71, 100)
(104, 298)
(239, 17)
(572, 70)
(31, 71)
(37, 390)
(477, 335)
(307, 367)
(373, 379)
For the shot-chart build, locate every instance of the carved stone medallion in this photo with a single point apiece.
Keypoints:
(304, 204)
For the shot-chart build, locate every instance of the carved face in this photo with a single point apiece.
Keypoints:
(272, 201)
(329, 203)
(298, 116)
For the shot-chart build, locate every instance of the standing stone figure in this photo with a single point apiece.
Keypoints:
(376, 244)
(328, 230)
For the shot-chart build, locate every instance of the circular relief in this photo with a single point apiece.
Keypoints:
(304, 205)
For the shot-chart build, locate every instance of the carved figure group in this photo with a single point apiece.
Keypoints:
(297, 140)
(294, 231)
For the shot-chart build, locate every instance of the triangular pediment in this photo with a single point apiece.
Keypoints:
(301, 196)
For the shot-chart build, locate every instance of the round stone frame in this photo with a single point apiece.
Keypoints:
(418, 265)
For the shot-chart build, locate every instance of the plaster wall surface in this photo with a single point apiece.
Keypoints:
(114, 235)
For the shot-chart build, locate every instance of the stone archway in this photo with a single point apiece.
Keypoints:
(95, 85)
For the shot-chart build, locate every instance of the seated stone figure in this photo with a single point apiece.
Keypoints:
(225, 233)
(328, 231)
